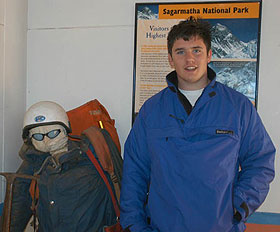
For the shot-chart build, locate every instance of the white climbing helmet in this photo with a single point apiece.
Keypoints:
(44, 113)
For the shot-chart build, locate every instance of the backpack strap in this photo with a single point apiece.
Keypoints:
(103, 176)
(102, 150)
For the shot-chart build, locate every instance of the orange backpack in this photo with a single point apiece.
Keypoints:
(92, 113)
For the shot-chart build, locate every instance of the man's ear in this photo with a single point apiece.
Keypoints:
(170, 59)
(209, 56)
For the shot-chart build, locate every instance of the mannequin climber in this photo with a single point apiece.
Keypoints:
(72, 196)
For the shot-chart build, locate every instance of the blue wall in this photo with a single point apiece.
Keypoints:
(1, 207)
(265, 218)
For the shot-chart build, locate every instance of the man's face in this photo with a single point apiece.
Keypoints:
(189, 59)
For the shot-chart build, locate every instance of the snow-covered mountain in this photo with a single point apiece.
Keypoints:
(146, 13)
(227, 45)
(241, 79)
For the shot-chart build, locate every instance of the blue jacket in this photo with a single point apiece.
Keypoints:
(200, 166)
(73, 197)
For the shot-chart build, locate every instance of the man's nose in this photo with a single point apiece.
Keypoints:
(189, 56)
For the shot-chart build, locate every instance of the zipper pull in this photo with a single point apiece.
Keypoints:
(181, 120)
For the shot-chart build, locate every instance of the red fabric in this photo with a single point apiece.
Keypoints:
(34, 190)
(114, 228)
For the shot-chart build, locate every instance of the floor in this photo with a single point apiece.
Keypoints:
(262, 228)
(254, 226)
(258, 222)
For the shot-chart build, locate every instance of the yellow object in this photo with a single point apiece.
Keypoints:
(100, 124)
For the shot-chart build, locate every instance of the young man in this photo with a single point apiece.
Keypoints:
(198, 158)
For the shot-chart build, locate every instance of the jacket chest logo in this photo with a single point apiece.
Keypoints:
(230, 132)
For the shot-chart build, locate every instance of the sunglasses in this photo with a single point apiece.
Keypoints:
(51, 134)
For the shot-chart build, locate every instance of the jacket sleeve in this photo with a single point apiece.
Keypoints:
(136, 178)
(21, 203)
(256, 160)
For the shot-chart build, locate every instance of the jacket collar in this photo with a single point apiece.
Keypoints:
(172, 79)
(28, 152)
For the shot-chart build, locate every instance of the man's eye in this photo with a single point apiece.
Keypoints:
(180, 52)
(196, 51)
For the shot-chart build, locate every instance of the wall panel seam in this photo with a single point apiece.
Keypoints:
(78, 27)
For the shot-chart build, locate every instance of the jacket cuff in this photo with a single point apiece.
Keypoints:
(241, 210)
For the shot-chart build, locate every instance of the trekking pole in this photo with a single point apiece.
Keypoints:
(10, 178)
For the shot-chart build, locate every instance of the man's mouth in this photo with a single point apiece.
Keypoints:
(191, 68)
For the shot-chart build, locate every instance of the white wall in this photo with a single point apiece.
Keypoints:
(13, 46)
(1, 94)
(82, 54)
(269, 94)
(82, 50)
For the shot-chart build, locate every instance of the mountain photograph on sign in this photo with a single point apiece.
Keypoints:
(240, 76)
(147, 12)
(227, 45)
(234, 47)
